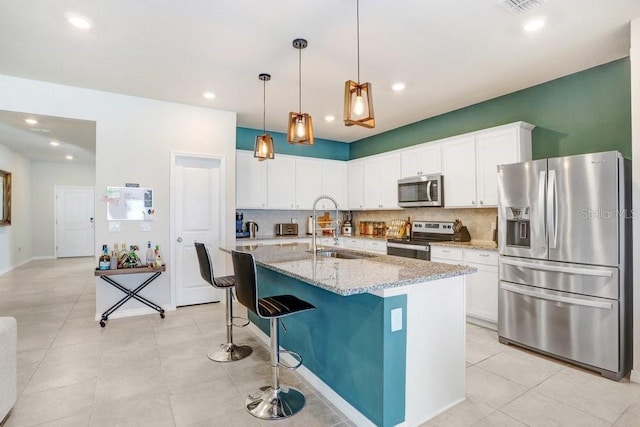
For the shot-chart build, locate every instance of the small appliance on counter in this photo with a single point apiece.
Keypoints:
(347, 228)
(241, 230)
(287, 229)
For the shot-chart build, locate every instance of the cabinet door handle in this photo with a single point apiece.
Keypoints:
(473, 202)
(484, 255)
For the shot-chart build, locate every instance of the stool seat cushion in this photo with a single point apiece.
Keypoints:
(224, 281)
(282, 305)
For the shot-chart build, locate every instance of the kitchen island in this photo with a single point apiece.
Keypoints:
(386, 342)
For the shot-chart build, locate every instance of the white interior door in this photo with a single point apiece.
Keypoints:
(198, 210)
(74, 221)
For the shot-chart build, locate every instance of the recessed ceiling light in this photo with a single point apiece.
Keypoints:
(31, 121)
(534, 24)
(209, 95)
(79, 21)
(69, 157)
(329, 118)
(398, 86)
(54, 143)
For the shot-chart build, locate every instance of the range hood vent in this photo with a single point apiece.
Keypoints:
(520, 7)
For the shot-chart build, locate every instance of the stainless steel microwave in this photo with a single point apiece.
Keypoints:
(421, 190)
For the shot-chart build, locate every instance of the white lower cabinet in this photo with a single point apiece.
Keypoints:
(481, 287)
(353, 243)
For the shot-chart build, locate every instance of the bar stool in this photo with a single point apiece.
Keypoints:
(228, 352)
(276, 401)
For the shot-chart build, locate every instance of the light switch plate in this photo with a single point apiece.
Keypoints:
(396, 319)
(145, 225)
(114, 226)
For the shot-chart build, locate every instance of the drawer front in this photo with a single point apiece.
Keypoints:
(375, 245)
(352, 243)
(451, 254)
(480, 257)
(579, 328)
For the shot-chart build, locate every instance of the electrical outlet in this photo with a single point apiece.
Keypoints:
(114, 226)
(145, 225)
(396, 319)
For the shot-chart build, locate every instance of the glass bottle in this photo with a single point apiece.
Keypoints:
(149, 255)
(104, 263)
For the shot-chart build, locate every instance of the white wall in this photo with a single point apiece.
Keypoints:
(44, 177)
(635, 153)
(134, 139)
(15, 240)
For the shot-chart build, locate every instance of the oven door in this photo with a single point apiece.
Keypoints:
(409, 251)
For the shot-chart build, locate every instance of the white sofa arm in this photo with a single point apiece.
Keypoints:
(8, 365)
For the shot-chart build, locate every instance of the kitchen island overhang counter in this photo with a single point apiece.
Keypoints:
(387, 337)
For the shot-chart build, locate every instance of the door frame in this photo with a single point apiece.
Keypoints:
(172, 210)
(55, 214)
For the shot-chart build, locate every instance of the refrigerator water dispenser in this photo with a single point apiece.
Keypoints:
(518, 227)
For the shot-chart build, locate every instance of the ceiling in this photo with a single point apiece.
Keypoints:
(449, 54)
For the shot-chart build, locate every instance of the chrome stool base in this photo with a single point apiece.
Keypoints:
(230, 353)
(269, 404)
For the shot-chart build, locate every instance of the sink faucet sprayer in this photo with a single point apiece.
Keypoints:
(314, 246)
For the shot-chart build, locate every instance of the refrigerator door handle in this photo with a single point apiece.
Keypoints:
(552, 210)
(429, 191)
(541, 186)
(560, 269)
(557, 298)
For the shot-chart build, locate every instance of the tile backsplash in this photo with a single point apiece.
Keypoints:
(480, 222)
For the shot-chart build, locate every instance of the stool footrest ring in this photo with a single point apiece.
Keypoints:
(295, 356)
(240, 325)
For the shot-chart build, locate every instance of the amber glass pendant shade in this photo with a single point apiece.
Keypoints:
(358, 105)
(300, 129)
(263, 148)
(300, 125)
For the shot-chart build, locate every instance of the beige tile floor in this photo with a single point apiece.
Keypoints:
(145, 371)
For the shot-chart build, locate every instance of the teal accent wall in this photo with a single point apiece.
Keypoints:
(322, 148)
(347, 342)
(585, 112)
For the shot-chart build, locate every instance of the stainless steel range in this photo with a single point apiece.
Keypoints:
(423, 232)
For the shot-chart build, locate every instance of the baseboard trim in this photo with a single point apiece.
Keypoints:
(327, 392)
(635, 376)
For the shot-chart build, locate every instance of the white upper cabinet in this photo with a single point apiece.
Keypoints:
(355, 185)
(469, 163)
(424, 160)
(308, 183)
(334, 182)
(381, 174)
(281, 178)
(500, 147)
(459, 172)
(251, 181)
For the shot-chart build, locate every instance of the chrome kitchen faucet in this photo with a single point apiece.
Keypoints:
(314, 246)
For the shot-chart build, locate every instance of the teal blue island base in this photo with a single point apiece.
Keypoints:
(395, 356)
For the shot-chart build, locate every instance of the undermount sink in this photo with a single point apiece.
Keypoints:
(341, 254)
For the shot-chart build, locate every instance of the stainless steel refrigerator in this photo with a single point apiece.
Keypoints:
(565, 259)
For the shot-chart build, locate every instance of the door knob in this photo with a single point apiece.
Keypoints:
(179, 239)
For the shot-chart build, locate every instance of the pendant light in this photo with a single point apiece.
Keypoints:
(300, 128)
(358, 101)
(263, 149)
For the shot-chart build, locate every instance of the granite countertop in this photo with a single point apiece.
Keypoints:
(345, 277)
(485, 245)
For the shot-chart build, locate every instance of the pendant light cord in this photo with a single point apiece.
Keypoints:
(300, 81)
(264, 107)
(358, 35)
